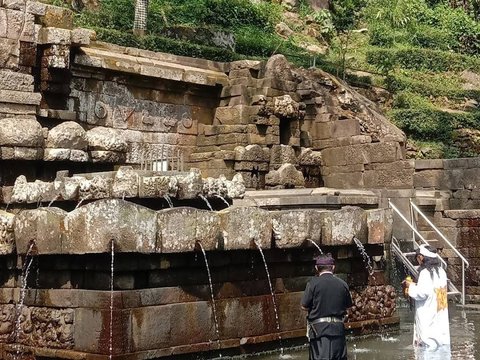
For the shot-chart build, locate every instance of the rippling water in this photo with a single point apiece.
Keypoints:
(464, 332)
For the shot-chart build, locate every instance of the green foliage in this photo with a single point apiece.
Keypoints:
(426, 36)
(231, 13)
(162, 44)
(112, 14)
(429, 123)
(396, 13)
(325, 20)
(429, 84)
(421, 59)
(461, 27)
(346, 13)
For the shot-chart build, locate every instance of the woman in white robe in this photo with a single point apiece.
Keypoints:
(431, 329)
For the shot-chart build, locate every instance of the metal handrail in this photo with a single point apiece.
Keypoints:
(415, 207)
(399, 213)
(464, 261)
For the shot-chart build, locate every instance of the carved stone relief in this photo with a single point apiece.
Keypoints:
(37, 327)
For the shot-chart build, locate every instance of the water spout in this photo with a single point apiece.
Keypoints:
(110, 344)
(277, 320)
(169, 200)
(206, 201)
(214, 309)
(223, 199)
(366, 258)
(316, 245)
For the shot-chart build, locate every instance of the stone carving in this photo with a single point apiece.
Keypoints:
(39, 327)
(7, 237)
(101, 110)
(25, 192)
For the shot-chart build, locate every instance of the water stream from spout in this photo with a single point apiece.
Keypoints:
(366, 258)
(214, 309)
(277, 320)
(223, 199)
(169, 200)
(53, 200)
(316, 245)
(23, 290)
(81, 201)
(206, 201)
(7, 206)
(112, 261)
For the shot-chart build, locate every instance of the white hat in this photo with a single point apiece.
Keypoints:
(427, 253)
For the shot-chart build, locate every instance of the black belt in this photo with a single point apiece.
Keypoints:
(328, 319)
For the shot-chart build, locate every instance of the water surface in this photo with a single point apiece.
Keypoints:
(397, 345)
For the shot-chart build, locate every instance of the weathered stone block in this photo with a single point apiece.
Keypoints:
(92, 227)
(82, 37)
(125, 183)
(244, 227)
(344, 155)
(341, 226)
(20, 97)
(7, 235)
(52, 35)
(11, 80)
(67, 135)
(43, 227)
(9, 53)
(287, 176)
(181, 228)
(295, 228)
(281, 154)
(33, 192)
(344, 181)
(398, 174)
(25, 153)
(92, 330)
(379, 225)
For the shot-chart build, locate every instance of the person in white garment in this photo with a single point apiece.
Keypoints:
(431, 329)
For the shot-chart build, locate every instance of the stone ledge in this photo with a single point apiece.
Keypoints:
(462, 214)
(94, 57)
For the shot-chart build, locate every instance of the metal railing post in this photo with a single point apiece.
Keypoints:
(463, 283)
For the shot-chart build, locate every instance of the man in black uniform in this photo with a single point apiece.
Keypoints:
(326, 298)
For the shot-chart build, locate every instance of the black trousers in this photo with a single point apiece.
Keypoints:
(328, 348)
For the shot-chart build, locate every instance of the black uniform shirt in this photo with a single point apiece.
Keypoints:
(327, 295)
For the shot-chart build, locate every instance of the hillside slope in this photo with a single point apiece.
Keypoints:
(418, 59)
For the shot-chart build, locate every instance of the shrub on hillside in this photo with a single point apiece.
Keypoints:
(421, 59)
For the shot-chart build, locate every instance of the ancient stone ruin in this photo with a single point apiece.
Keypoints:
(125, 172)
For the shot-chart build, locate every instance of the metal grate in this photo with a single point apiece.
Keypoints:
(169, 160)
(141, 13)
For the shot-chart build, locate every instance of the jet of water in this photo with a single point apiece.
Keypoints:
(53, 200)
(81, 201)
(316, 245)
(363, 252)
(223, 199)
(214, 309)
(110, 344)
(169, 200)
(206, 201)
(277, 320)
(19, 307)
